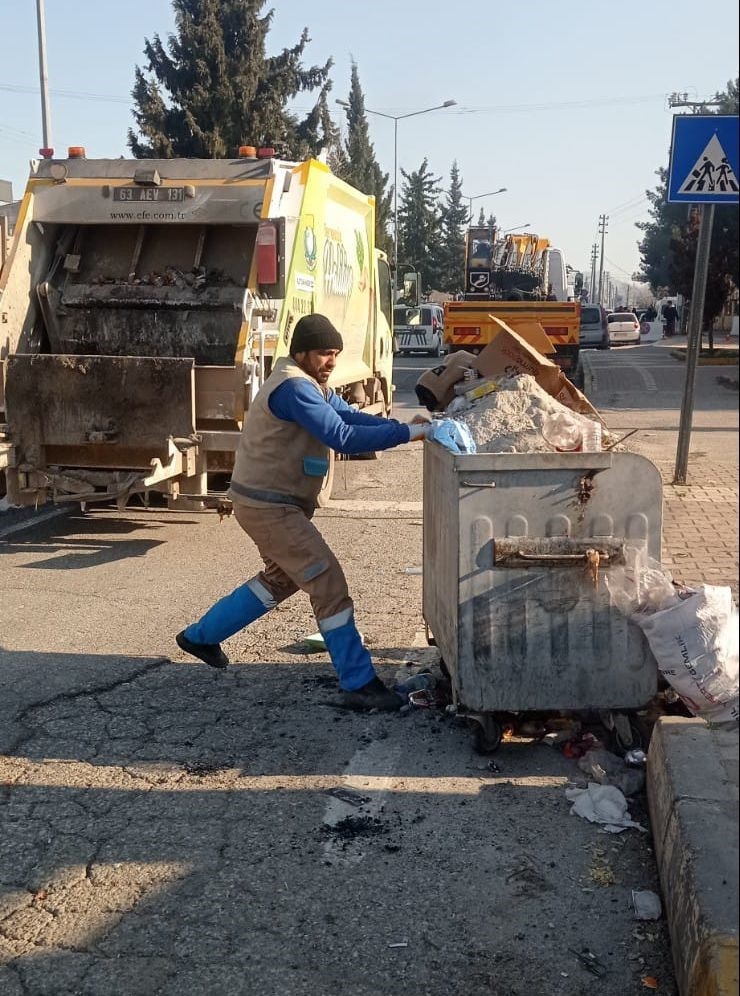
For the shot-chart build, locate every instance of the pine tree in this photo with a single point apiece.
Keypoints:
(481, 218)
(357, 164)
(452, 235)
(212, 87)
(419, 224)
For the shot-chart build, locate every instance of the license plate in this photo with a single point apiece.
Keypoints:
(163, 195)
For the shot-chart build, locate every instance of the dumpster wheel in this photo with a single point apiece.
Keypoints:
(488, 733)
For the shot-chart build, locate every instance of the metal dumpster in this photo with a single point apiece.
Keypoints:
(523, 621)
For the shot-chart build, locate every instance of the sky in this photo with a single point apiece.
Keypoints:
(564, 105)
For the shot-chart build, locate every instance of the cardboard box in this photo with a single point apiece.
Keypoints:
(510, 356)
(435, 389)
(532, 332)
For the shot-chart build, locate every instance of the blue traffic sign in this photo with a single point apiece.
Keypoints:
(704, 166)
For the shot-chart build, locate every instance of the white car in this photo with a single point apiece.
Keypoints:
(623, 328)
(419, 330)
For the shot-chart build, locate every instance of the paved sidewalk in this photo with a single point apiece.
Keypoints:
(692, 770)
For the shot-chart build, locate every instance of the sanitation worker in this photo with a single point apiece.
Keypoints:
(283, 456)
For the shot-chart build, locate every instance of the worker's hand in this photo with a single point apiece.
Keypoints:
(418, 430)
(421, 419)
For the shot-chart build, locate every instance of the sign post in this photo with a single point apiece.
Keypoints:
(704, 171)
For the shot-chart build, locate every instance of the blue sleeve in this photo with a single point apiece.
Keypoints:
(298, 401)
(351, 415)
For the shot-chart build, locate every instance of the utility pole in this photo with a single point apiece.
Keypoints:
(43, 74)
(696, 106)
(603, 221)
(592, 286)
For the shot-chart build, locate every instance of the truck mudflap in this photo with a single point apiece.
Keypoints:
(90, 428)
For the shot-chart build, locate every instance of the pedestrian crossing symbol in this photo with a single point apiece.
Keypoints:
(704, 166)
(711, 173)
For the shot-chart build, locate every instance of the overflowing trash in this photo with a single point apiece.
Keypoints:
(512, 400)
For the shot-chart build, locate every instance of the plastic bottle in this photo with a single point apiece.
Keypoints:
(591, 436)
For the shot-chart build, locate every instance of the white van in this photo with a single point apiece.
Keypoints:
(418, 330)
(557, 275)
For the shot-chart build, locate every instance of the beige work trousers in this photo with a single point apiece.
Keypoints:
(295, 556)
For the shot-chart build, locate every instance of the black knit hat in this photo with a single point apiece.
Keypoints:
(314, 332)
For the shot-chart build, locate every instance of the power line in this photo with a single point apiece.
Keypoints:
(617, 267)
(564, 105)
(72, 94)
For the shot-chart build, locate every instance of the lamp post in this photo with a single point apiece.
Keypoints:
(501, 190)
(518, 228)
(395, 118)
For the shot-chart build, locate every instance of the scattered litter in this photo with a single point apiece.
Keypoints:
(578, 746)
(603, 804)
(348, 796)
(354, 826)
(412, 570)
(399, 944)
(423, 699)
(315, 642)
(607, 769)
(649, 981)
(492, 766)
(602, 875)
(423, 681)
(635, 758)
(647, 904)
(589, 960)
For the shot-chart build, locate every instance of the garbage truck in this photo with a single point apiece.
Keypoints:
(143, 303)
(508, 276)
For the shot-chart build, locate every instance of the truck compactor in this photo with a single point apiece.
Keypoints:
(143, 303)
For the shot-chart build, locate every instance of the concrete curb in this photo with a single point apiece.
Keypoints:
(692, 780)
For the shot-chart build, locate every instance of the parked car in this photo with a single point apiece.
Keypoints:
(623, 327)
(419, 330)
(594, 332)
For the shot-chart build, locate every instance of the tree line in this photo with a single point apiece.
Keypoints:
(212, 87)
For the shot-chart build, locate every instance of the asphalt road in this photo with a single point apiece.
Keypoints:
(168, 829)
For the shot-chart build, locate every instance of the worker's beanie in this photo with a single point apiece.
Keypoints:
(314, 332)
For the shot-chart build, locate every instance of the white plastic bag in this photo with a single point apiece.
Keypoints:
(453, 435)
(641, 585)
(695, 643)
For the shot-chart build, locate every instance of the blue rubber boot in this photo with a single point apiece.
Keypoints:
(361, 687)
(230, 614)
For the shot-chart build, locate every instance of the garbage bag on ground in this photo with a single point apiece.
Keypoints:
(695, 643)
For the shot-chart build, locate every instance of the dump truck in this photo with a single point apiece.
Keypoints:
(144, 302)
(508, 277)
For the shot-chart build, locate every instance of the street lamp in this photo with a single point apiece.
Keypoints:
(519, 228)
(395, 118)
(501, 190)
